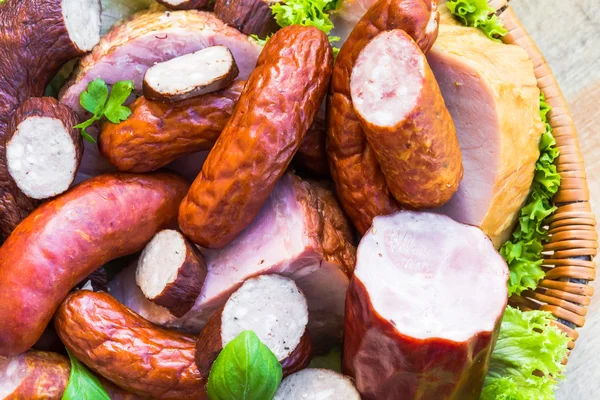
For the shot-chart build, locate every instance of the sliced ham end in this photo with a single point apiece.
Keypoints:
(271, 306)
(190, 75)
(423, 308)
(43, 149)
(171, 272)
(316, 383)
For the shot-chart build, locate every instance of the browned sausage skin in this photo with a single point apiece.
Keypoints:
(360, 183)
(67, 238)
(276, 108)
(37, 38)
(157, 133)
(252, 17)
(128, 350)
(406, 122)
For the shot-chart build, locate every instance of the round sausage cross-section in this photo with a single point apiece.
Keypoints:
(423, 308)
(316, 384)
(407, 124)
(275, 309)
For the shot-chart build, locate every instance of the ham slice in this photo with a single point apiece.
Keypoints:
(423, 309)
(491, 92)
(300, 233)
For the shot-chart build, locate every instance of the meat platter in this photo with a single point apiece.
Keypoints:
(191, 191)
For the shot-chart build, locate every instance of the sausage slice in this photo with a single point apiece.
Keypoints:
(43, 150)
(316, 384)
(275, 309)
(423, 309)
(190, 75)
(408, 126)
(171, 271)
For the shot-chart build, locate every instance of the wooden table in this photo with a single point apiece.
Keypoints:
(568, 34)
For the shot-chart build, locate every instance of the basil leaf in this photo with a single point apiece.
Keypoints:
(115, 111)
(83, 385)
(245, 369)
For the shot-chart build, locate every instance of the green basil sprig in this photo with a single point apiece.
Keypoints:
(245, 369)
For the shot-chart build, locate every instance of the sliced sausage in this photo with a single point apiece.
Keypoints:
(252, 17)
(37, 38)
(34, 375)
(67, 238)
(278, 104)
(408, 126)
(171, 271)
(360, 183)
(190, 75)
(272, 307)
(127, 350)
(43, 150)
(185, 4)
(423, 309)
(157, 133)
(316, 384)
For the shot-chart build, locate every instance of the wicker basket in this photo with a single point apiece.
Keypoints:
(568, 256)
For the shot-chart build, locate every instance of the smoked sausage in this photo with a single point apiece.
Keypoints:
(34, 375)
(67, 238)
(408, 126)
(279, 102)
(360, 183)
(128, 350)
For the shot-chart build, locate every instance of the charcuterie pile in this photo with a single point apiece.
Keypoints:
(221, 198)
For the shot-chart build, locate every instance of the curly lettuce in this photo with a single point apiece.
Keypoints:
(523, 252)
(526, 363)
(478, 14)
(307, 13)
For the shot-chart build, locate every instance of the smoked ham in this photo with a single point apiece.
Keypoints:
(423, 309)
(491, 92)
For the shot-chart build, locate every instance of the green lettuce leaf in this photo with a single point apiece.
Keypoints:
(523, 252)
(306, 13)
(478, 14)
(526, 363)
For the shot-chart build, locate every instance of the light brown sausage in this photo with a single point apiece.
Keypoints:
(278, 104)
(67, 238)
(360, 183)
(312, 156)
(128, 350)
(157, 133)
(407, 124)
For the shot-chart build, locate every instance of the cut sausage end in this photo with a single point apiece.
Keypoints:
(384, 93)
(41, 156)
(82, 19)
(316, 383)
(13, 370)
(273, 307)
(171, 272)
(428, 268)
(190, 75)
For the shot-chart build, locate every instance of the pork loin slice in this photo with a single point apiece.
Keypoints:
(491, 92)
(194, 74)
(316, 384)
(185, 4)
(271, 306)
(423, 308)
(252, 17)
(171, 271)
(43, 150)
(300, 233)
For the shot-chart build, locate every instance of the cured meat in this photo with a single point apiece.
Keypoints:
(316, 384)
(301, 233)
(491, 92)
(423, 309)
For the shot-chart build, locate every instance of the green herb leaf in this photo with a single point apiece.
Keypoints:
(83, 385)
(478, 14)
(528, 346)
(114, 110)
(94, 98)
(307, 13)
(523, 252)
(245, 369)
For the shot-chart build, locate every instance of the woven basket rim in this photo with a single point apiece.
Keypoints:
(568, 256)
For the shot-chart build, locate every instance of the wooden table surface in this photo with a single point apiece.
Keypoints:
(568, 34)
